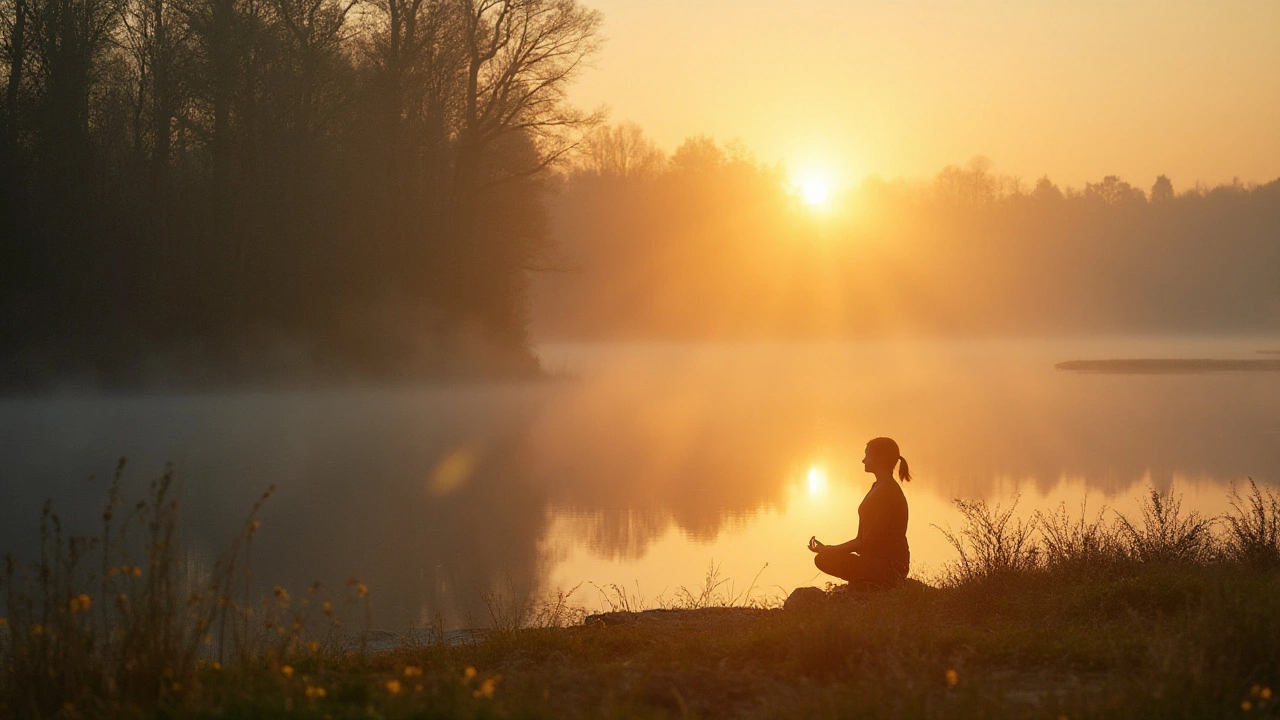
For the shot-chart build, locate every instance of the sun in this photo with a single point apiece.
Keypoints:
(814, 187)
(815, 191)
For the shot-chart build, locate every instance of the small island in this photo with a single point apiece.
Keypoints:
(1167, 366)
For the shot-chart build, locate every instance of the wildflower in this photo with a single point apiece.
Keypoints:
(327, 607)
(393, 687)
(313, 646)
(286, 670)
(953, 679)
(469, 674)
(215, 665)
(314, 692)
(486, 688)
(1256, 690)
(1246, 706)
(282, 596)
(80, 602)
(1265, 694)
(362, 590)
(135, 571)
(412, 671)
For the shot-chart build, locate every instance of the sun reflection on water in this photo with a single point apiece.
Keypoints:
(817, 481)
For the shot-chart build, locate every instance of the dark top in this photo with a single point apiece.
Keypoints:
(882, 525)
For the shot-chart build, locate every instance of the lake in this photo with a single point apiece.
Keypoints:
(644, 464)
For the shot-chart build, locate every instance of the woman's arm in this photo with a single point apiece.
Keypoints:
(846, 547)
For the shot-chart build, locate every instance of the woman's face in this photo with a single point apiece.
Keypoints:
(871, 462)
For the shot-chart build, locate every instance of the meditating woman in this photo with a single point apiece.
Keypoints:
(878, 556)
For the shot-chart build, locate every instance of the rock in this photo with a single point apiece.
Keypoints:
(722, 617)
(805, 598)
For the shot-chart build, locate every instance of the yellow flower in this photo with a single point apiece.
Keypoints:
(286, 670)
(135, 571)
(1246, 706)
(393, 687)
(469, 674)
(282, 596)
(215, 665)
(313, 646)
(362, 590)
(80, 602)
(953, 678)
(314, 692)
(412, 671)
(486, 688)
(1266, 691)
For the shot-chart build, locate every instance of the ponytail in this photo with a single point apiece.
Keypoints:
(884, 448)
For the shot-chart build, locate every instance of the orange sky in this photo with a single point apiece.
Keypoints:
(1077, 89)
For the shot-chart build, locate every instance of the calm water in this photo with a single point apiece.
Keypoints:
(649, 463)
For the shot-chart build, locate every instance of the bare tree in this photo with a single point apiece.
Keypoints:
(621, 151)
(521, 56)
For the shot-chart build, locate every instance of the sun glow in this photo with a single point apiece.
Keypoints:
(817, 481)
(814, 187)
(816, 192)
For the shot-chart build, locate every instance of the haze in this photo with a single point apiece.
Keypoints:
(1077, 90)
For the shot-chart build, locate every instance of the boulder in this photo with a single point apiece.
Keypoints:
(805, 598)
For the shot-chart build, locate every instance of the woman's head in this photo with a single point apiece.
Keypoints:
(882, 455)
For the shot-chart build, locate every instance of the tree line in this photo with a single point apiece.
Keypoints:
(710, 242)
(227, 188)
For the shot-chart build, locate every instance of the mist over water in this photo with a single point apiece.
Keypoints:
(645, 462)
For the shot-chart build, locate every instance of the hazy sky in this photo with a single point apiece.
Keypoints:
(1076, 89)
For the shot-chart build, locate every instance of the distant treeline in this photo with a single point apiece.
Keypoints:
(233, 188)
(711, 243)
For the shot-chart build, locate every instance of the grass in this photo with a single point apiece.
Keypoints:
(1161, 614)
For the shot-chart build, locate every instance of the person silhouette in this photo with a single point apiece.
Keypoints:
(878, 557)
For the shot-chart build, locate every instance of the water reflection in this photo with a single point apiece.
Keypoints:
(646, 465)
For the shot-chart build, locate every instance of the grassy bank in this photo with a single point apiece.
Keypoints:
(1160, 614)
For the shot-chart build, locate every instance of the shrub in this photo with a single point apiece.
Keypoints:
(1163, 534)
(991, 542)
(1077, 543)
(1253, 527)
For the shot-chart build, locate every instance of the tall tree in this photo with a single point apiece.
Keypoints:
(521, 57)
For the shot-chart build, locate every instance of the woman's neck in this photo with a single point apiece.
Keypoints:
(887, 477)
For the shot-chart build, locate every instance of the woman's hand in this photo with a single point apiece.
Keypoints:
(815, 546)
